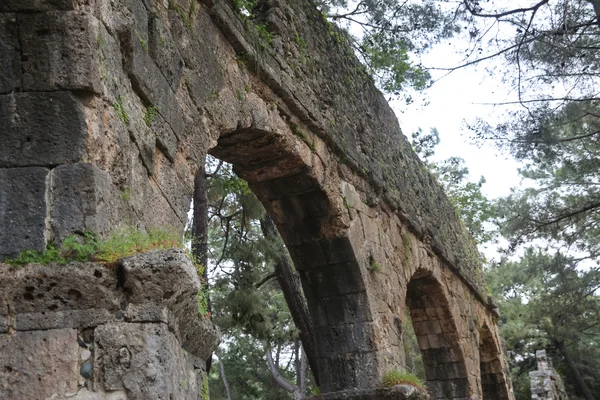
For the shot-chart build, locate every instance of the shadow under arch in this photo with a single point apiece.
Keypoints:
(493, 382)
(292, 183)
(437, 337)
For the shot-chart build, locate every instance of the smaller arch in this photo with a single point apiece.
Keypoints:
(493, 382)
(437, 336)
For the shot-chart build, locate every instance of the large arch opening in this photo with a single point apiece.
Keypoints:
(437, 337)
(493, 383)
(289, 177)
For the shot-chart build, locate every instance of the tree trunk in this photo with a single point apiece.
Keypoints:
(585, 390)
(281, 381)
(292, 292)
(223, 378)
(200, 219)
(200, 229)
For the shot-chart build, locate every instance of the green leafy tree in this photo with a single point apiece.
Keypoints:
(548, 54)
(262, 353)
(388, 34)
(549, 302)
(563, 201)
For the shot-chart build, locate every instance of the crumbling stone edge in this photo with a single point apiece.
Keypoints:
(398, 392)
(130, 329)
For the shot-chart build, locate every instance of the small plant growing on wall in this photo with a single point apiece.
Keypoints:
(395, 377)
(89, 247)
(374, 265)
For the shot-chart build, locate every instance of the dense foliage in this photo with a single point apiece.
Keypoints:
(246, 300)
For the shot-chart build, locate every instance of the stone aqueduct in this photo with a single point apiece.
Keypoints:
(108, 106)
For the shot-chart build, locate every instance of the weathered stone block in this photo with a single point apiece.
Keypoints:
(343, 339)
(60, 51)
(22, 209)
(308, 255)
(399, 392)
(39, 364)
(356, 370)
(10, 54)
(144, 359)
(168, 279)
(166, 140)
(163, 51)
(333, 280)
(84, 318)
(3, 323)
(42, 5)
(41, 129)
(82, 198)
(338, 250)
(197, 52)
(318, 311)
(149, 82)
(348, 308)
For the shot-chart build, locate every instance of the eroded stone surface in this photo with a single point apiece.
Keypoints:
(145, 360)
(545, 383)
(38, 365)
(41, 129)
(22, 209)
(302, 123)
(88, 331)
(399, 392)
(163, 286)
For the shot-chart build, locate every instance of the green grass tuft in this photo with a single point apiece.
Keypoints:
(120, 109)
(395, 377)
(88, 247)
(151, 113)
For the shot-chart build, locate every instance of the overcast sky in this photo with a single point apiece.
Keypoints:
(452, 100)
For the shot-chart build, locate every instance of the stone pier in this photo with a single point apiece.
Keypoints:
(130, 330)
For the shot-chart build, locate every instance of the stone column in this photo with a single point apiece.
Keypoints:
(546, 384)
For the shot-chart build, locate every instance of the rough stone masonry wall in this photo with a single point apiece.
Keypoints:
(545, 383)
(87, 71)
(92, 331)
(108, 107)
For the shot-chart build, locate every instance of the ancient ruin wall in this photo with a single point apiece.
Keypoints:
(108, 107)
(118, 59)
(130, 330)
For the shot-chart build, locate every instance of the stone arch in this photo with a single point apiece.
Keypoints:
(437, 336)
(493, 382)
(298, 193)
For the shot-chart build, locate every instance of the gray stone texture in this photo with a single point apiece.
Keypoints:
(59, 51)
(38, 365)
(399, 392)
(10, 54)
(42, 5)
(545, 383)
(148, 80)
(167, 280)
(91, 331)
(22, 210)
(145, 360)
(41, 129)
(83, 199)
